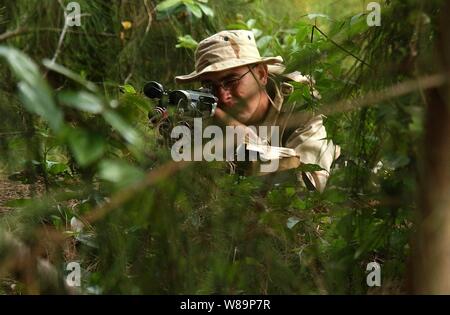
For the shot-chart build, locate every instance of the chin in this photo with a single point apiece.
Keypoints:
(243, 118)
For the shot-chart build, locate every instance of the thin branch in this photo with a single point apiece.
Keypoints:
(376, 97)
(150, 19)
(22, 31)
(11, 133)
(61, 37)
(342, 48)
(63, 32)
(8, 34)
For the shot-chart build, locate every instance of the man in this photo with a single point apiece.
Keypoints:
(250, 94)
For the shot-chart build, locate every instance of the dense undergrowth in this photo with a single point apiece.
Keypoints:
(79, 127)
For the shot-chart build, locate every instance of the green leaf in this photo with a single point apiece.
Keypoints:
(87, 239)
(128, 89)
(56, 168)
(122, 127)
(57, 221)
(309, 168)
(168, 5)
(38, 100)
(251, 23)
(130, 101)
(394, 161)
(289, 191)
(22, 66)
(19, 203)
(86, 147)
(303, 32)
(355, 18)
(335, 196)
(299, 204)
(207, 10)
(291, 222)
(263, 42)
(34, 91)
(83, 101)
(70, 74)
(187, 41)
(313, 16)
(119, 172)
(257, 32)
(194, 9)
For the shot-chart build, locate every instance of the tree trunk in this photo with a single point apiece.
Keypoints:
(431, 262)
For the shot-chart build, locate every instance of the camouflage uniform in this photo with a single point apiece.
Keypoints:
(231, 49)
(308, 138)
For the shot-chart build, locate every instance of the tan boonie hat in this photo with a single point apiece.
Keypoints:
(226, 50)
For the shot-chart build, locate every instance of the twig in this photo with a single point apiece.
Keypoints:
(22, 31)
(376, 97)
(128, 77)
(8, 34)
(11, 133)
(150, 19)
(342, 48)
(64, 31)
(61, 37)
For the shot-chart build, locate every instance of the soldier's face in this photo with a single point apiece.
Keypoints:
(240, 91)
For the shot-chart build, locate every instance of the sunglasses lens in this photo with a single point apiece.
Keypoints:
(228, 85)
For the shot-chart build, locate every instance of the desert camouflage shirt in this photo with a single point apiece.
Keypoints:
(306, 136)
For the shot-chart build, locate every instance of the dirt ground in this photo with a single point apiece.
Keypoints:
(11, 190)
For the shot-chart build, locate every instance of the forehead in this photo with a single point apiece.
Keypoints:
(217, 76)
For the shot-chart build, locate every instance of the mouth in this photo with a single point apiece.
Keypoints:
(228, 104)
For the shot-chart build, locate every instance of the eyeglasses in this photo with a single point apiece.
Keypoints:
(227, 85)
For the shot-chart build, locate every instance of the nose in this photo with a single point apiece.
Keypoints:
(224, 95)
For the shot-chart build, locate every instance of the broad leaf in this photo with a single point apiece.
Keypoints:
(83, 101)
(187, 41)
(207, 10)
(86, 146)
(313, 16)
(168, 5)
(70, 74)
(119, 172)
(122, 127)
(194, 9)
(33, 89)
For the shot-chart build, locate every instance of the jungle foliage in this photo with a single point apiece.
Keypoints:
(74, 127)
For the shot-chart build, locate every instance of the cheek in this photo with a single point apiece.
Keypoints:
(247, 99)
(245, 91)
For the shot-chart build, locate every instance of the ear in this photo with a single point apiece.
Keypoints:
(262, 73)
